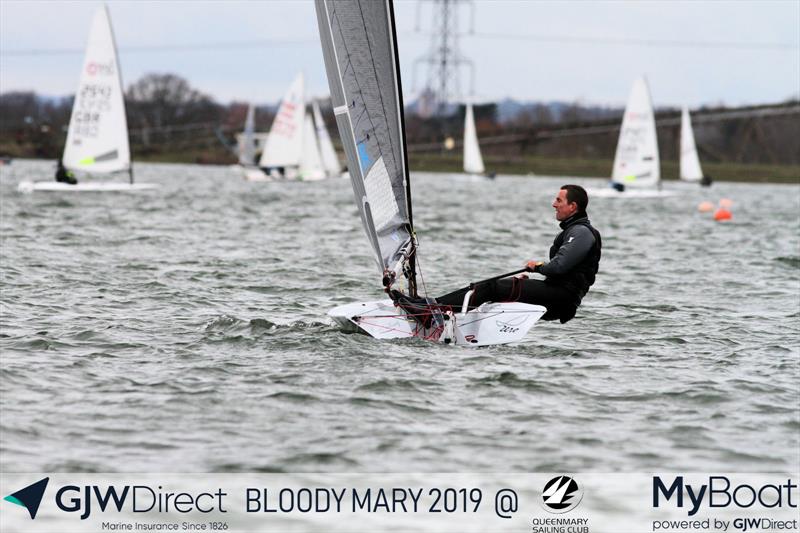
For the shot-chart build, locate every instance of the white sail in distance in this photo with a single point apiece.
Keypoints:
(284, 144)
(97, 139)
(247, 154)
(358, 43)
(690, 163)
(311, 162)
(636, 163)
(473, 162)
(329, 158)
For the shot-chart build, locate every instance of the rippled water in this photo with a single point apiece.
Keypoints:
(185, 330)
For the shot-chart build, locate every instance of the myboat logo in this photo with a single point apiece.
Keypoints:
(30, 497)
(561, 495)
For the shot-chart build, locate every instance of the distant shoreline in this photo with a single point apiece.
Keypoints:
(596, 168)
(545, 166)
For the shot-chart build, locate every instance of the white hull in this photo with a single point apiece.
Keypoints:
(491, 323)
(54, 186)
(255, 174)
(609, 192)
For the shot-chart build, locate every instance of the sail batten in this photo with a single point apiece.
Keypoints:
(361, 62)
(636, 163)
(97, 138)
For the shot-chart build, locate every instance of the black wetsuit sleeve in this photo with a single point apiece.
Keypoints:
(578, 241)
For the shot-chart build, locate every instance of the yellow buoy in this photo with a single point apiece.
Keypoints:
(705, 207)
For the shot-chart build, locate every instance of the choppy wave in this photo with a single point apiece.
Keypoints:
(186, 328)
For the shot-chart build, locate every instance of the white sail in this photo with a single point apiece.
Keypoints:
(97, 139)
(284, 146)
(329, 159)
(690, 164)
(247, 153)
(358, 44)
(311, 162)
(636, 163)
(473, 162)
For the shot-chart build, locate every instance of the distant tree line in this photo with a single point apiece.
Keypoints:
(169, 120)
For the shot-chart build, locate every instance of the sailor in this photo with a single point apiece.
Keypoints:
(63, 175)
(706, 180)
(573, 265)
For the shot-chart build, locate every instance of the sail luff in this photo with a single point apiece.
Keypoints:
(690, 169)
(361, 66)
(122, 93)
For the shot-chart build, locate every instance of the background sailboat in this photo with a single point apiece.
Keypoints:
(473, 161)
(247, 153)
(284, 147)
(690, 169)
(97, 139)
(637, 167)
(636, 163)
(330, 161)
(311, 168)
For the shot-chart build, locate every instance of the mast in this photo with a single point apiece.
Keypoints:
(412, 259)
(122, 90)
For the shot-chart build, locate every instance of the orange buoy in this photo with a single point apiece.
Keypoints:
(722, 214)
(726, 203)
(705, 207)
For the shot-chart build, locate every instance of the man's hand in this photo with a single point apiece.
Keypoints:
(531, 265)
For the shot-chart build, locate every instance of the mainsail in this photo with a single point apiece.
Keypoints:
(329, 159)
(690, 164)
(97, 139)
(284, 145)
(636, 163)
(247, 154)
(359, 46)
(473, 162)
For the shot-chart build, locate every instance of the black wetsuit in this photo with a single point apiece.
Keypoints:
(65, 176)
(574, 261)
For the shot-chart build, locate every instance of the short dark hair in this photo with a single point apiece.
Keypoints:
(577, 194)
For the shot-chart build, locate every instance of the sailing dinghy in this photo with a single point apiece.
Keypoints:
(637, 169)
(97, 139)
(690, 163)
(283, 150)
(360, 49)
(473, 161)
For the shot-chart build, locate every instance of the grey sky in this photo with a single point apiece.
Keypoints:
(520, 51)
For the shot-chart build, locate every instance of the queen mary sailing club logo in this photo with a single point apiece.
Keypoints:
(561, 494)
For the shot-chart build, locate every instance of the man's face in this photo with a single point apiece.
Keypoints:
(563, 208)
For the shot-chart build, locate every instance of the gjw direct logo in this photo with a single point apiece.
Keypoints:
(30, 497)
(561, 494)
